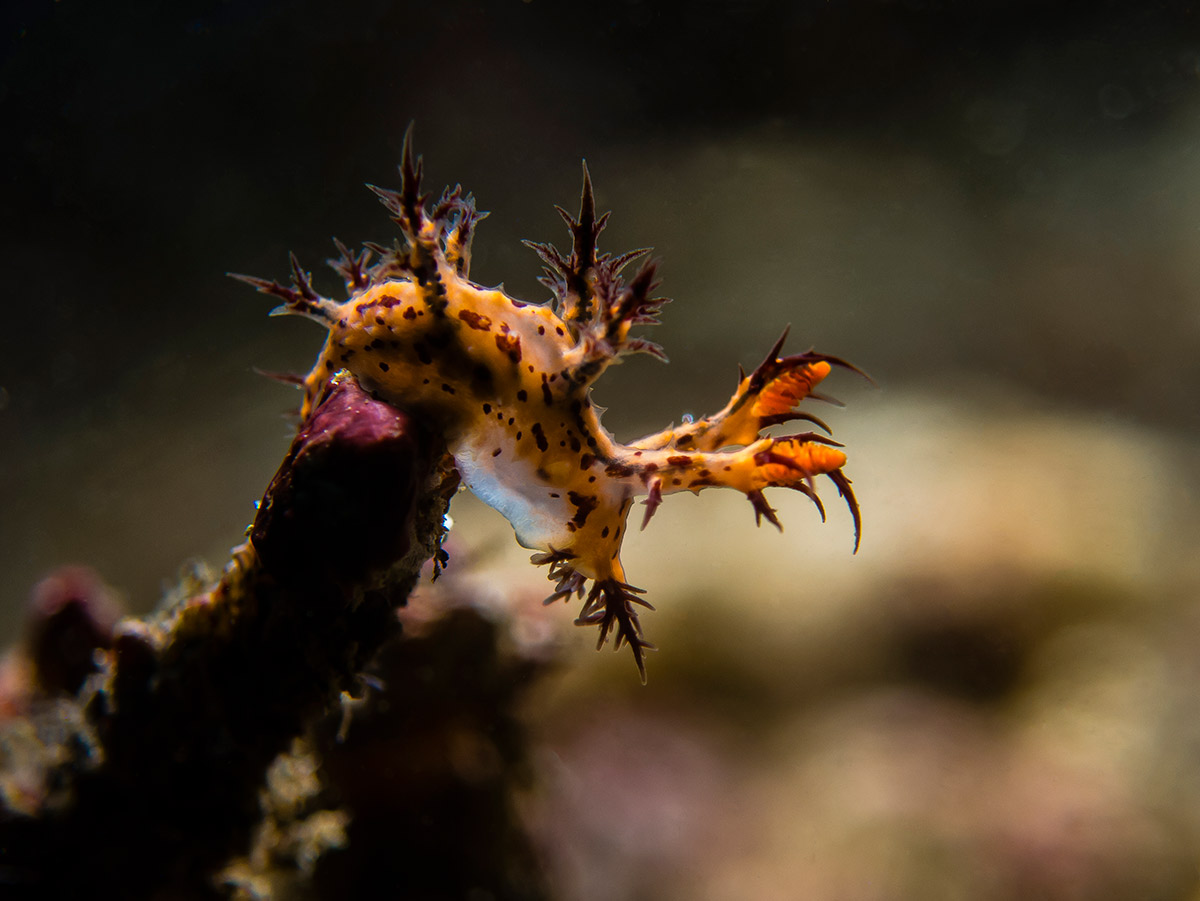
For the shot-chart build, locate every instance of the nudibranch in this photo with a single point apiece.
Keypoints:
(508, 384)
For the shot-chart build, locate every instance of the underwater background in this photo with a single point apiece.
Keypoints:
(992, 207)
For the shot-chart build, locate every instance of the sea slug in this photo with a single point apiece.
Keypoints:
(508, 385)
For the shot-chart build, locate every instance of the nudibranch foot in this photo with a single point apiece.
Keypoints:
(507, 385)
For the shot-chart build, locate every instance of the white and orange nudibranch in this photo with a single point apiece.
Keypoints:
(508, 384)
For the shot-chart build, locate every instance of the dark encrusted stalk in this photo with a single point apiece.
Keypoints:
(154, 780)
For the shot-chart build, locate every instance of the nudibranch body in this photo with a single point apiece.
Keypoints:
(508, 384)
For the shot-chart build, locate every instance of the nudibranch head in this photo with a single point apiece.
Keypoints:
(508, 383)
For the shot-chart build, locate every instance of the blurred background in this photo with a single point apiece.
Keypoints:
(992, 207)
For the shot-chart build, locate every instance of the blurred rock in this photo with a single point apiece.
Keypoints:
(72, 615)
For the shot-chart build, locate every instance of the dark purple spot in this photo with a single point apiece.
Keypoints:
(475, 320)
(584, 505)
(510, 345)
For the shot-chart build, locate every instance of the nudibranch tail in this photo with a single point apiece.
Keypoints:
(508, 385)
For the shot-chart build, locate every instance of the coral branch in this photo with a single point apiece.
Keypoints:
(150, 780)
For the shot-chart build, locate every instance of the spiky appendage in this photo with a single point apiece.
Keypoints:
(570, 581)
(769, 396)
(508, 384)
(609, 604)
(591, 297)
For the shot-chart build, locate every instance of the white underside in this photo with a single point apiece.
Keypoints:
(537, 518)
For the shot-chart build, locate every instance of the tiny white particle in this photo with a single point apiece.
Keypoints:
(448, 522)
